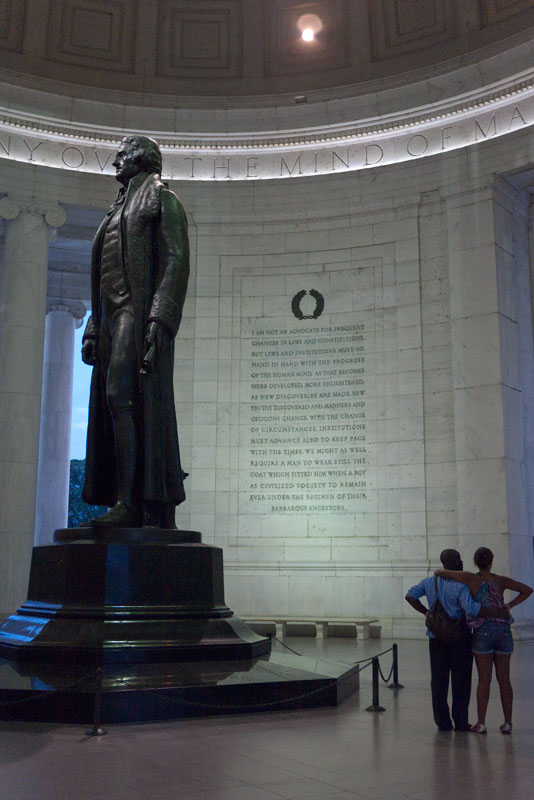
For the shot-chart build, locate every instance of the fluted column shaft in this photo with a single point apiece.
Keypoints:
(53, 471)
(23, 280)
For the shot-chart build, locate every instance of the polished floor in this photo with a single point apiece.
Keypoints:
(328, 754)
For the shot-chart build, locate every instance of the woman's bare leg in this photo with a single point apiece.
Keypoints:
(485, 668)
(502, 672)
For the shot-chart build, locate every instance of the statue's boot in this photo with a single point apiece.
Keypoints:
(168, 516)
(127, 512)
(120, 516)
(159, 515)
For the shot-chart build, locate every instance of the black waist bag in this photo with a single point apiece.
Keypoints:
(439, 623)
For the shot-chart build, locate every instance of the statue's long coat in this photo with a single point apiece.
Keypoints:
(155, 255)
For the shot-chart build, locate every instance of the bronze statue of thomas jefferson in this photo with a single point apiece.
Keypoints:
(139, 274)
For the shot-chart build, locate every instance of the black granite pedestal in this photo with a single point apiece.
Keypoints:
(127, 595)
(131, 625)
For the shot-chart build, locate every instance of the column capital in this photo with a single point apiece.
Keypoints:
(71, 306)
(11, 207)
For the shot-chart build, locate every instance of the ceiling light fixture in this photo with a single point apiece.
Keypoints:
(309, 26)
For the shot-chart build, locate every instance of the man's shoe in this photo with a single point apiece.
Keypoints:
(463, 728)
(120, 516)
(445, 728)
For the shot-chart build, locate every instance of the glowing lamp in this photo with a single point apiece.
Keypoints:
(309, 26)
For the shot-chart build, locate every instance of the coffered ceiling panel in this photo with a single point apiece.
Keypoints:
(228, 51)
(12, 24)
(97, 33)
(492, 11)
(402, 26)
(285, 50)
(202, 39)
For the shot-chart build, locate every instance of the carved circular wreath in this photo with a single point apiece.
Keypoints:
(319, 304)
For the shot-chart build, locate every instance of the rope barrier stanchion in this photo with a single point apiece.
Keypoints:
(96, 730)
(395, 684)
(377, 672)
(376, 707)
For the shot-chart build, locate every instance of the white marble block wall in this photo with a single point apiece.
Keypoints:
(513, 258)
(432, 258)
(438, 396)
(344, 558)
(427, 277)
(477, 377)
(491, 311)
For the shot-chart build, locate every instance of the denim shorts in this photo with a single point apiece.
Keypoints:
(493, 637)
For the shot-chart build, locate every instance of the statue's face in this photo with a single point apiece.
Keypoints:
(125, 165)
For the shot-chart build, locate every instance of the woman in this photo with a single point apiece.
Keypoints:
(492, 638)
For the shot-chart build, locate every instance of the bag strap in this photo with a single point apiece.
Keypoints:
(436, 587)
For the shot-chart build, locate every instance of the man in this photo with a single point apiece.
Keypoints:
(446, 659)
(139, 274)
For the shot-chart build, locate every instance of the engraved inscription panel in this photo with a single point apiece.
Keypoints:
(311, 389)
(328, 429)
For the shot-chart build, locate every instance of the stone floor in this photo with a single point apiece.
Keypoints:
(331, 754)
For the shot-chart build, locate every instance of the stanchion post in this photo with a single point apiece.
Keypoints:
(96, 730)
(376, 700)
(395, 684)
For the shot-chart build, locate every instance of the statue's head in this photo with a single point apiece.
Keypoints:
(136, 154)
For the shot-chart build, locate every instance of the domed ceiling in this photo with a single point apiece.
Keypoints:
(232, 49)
(238, 90)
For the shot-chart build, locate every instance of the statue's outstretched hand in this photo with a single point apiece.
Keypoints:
(89, 352)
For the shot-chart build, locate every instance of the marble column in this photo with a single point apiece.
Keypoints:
(491, 334)
(23, 280)
(53, 471)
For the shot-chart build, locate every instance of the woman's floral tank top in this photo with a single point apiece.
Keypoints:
(488, 595)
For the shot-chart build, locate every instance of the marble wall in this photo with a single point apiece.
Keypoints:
(333, 483)
(338, 441)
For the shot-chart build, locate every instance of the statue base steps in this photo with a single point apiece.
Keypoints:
(130, 625)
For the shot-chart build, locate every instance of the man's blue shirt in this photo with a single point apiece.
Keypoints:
(454, 597)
